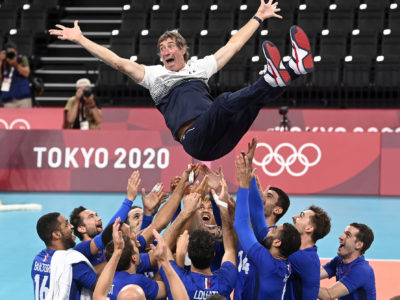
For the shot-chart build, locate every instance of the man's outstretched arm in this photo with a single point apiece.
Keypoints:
(74, 34)
(236, 42)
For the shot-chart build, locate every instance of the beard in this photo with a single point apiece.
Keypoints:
(267, 242)
(68, 242)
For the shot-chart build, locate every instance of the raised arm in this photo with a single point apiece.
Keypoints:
(106, 278)
(228, 233)
(335, 291)
(74, 34)
(236, 42)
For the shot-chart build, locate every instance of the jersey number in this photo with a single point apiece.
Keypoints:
(40, 293)
(243, 263)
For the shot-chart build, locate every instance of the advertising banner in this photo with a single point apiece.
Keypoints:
(299, 163)
(390, 165)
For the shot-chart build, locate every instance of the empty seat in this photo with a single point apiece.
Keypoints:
(348, 4)
(326, 72)
(243, 17)
(134, 20)
(248, 50)
(171, 4)
(8, 18)
(24, 42)
(317, 4)
(341, 19)
(230, 6)
(147, 52)
(365, 44)
(162, 20)
(311, 21)
(209, 44)
(357, 73)
(45, 3)
(109, 76)
(14, 3)
(366, 17)
(381, 4)
(202, 5)
(123, 44)
(394, 18)
(333, 44)
(232, 76)
(34, 20)
(191, 22)
(142, 6)
(220, 22)
(387, 72)
(390, 45)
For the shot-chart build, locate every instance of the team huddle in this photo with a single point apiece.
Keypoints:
(213, 247)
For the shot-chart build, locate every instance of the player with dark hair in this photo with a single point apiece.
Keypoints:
(355, 278)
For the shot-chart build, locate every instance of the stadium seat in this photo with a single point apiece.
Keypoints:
(348, 4)
(134, 20)
(123, 44)
(220, 22)
(371, 16)
(202, 5)
(142, 6)
(387, 72)
(365, 44)
(8, 19)
(172, 5)
(390, 45)
(109, 76)
(341, 18)
(243, 17)
(45, 3)
(162, 19)
(394, 18)
(34, 19)
(357, 73)
(311, 21)
(326, 72)
(147, 52)
(24, 42)
(209, 44)
(317, 4)
(228, 6)
(232, 76)
(191, 22)
(333, 44)
(281, 26)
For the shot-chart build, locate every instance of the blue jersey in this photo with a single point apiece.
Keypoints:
(199, 286)
(247, 276)
(82, 276)
(304, 281)
(358, 276)
(122, 278)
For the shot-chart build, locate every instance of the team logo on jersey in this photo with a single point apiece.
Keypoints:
(207, 283)
(46, 257)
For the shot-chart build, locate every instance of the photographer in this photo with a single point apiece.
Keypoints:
(14, 78)
(81, 110)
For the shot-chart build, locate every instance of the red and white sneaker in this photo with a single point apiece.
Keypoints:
(302, 60)
(274, 74)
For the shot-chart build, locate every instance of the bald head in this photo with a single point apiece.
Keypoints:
(131, 291)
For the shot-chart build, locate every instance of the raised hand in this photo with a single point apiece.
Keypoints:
(251, 149)
(159, 251)
(153, 201)
(201, 188)
(67, 33)
(191, 202)
(223, 197)
(117, 235)
(182, 243)
(133, 185)
(243, 171)
(268, 10)
(214, 179)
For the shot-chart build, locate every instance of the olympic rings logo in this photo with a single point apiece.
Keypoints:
(16, 124)
(290, 160)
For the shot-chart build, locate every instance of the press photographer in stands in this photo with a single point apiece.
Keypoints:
(81, 110)
(14, 78)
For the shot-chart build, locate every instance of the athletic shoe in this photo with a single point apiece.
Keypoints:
(301, 61)
(275, 75)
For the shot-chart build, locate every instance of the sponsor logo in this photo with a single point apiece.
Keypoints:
(278, 158)
(16, 124)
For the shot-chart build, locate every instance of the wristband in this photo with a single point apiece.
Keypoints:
(257, 19)
(219, 202)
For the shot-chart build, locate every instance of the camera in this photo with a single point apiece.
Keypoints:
(10, 54)
(283, 110)
(87, 92)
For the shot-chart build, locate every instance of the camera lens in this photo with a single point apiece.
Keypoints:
(87, 92)
(10, 54)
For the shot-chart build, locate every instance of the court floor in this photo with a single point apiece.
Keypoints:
(20, 243)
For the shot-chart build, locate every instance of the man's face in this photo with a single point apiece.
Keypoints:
(206, 213)
(273, 234)
(302, 221)
(92, 223)
(66, 229)
(270, 199)
(348, 242)
(135, 217)
(172, 57)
